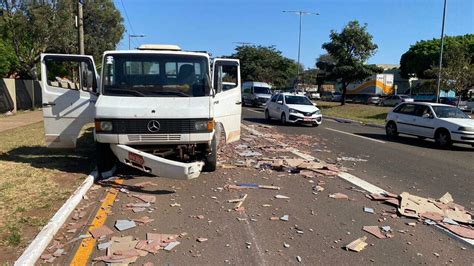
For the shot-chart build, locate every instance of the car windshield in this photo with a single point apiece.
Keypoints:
(155, 75)
(289, 99)
(404, 96)
(448, 112)
(261, 90)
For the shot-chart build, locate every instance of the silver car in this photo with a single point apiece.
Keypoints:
(396, 99)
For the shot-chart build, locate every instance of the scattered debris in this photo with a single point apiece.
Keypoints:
(298, 258)
(171, 245)
(101, 231)
(374, 230)
(368, 210)
(357, 245)
(175, 204)
(103, 246)
(143, 220)
(281, 197)
(145, 198)
(338, 196)
(201, 239)
(284, 218)
(352, 159)
(122, 225)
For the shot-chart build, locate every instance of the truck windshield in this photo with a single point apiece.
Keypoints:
(261, 90)
(155, 75)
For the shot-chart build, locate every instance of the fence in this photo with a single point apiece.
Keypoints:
(18, 94)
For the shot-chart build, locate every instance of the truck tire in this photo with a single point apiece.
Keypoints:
(106, 159)
(210, 162)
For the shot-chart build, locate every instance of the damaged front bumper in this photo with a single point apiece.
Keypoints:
(155, 165)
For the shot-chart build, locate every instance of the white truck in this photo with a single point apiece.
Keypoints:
(159, 109)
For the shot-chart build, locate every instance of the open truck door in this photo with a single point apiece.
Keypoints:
(227, 100)
(69, 87)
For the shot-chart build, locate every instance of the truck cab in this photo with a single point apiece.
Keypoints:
(158, 108)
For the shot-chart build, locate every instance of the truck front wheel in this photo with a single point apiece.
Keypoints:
(106, 159)
(210, 163)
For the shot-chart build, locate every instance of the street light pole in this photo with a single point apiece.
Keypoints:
(130, 36)
(301, 14)
(441, 53)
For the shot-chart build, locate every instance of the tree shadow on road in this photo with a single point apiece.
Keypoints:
(79, 160)
(414, 141)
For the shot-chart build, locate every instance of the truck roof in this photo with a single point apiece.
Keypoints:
(156, 52)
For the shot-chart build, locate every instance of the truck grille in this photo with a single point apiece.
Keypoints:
(154, 137)
(162, 126)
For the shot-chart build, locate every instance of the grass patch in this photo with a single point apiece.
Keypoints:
(369, 114)
(13, 236)
(35, 180)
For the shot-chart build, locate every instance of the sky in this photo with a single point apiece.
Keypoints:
(217, 26)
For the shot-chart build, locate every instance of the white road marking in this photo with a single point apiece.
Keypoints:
(354, 135)
(361, 183)
(358, 181)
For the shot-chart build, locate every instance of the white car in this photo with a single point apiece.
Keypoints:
(293, 108)
(443, 123)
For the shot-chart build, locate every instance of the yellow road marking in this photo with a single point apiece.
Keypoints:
(84, 251)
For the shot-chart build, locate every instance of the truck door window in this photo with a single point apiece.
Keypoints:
(70, 73)
(227, 77)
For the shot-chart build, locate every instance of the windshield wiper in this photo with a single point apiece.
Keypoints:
(182, 94)
(137, 93)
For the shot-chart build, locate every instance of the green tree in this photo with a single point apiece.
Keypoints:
(349, 51)
(424, 54)
(103, 27)
(267, 64)
(458, 71)
(8, 62)
(34, 27)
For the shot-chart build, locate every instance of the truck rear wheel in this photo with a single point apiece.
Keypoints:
(106, 159)
(210, 163)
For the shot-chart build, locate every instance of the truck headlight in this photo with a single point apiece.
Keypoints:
(318, 112)
(293, 111)
(103, 126)
(204, 125)
(466, 129)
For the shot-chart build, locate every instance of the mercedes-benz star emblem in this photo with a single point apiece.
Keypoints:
(153, 126)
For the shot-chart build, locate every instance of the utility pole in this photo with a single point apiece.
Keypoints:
(80, 26)
(441, 53)
(301, 14)
(133, 36)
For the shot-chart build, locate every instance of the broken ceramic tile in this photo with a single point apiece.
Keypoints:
(122, 225)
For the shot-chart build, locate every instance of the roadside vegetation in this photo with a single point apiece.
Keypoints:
(35, 181)
(368, 114)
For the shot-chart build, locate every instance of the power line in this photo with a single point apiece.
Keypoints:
(126, 15)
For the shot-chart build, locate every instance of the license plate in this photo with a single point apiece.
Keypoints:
(138, 159)
(308, 119)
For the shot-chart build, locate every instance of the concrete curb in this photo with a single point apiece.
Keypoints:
(44, 237)
(345, 120)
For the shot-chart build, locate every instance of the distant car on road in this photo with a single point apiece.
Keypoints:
(255, 93)
(396, 99)
(366, 99)
(461, 104)
(293, 108)
(443, 123)
(331, 96)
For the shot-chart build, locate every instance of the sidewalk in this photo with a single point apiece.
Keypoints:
(20, 119)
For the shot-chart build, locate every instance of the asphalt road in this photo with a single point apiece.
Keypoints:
(404, 164)
(318, 226)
